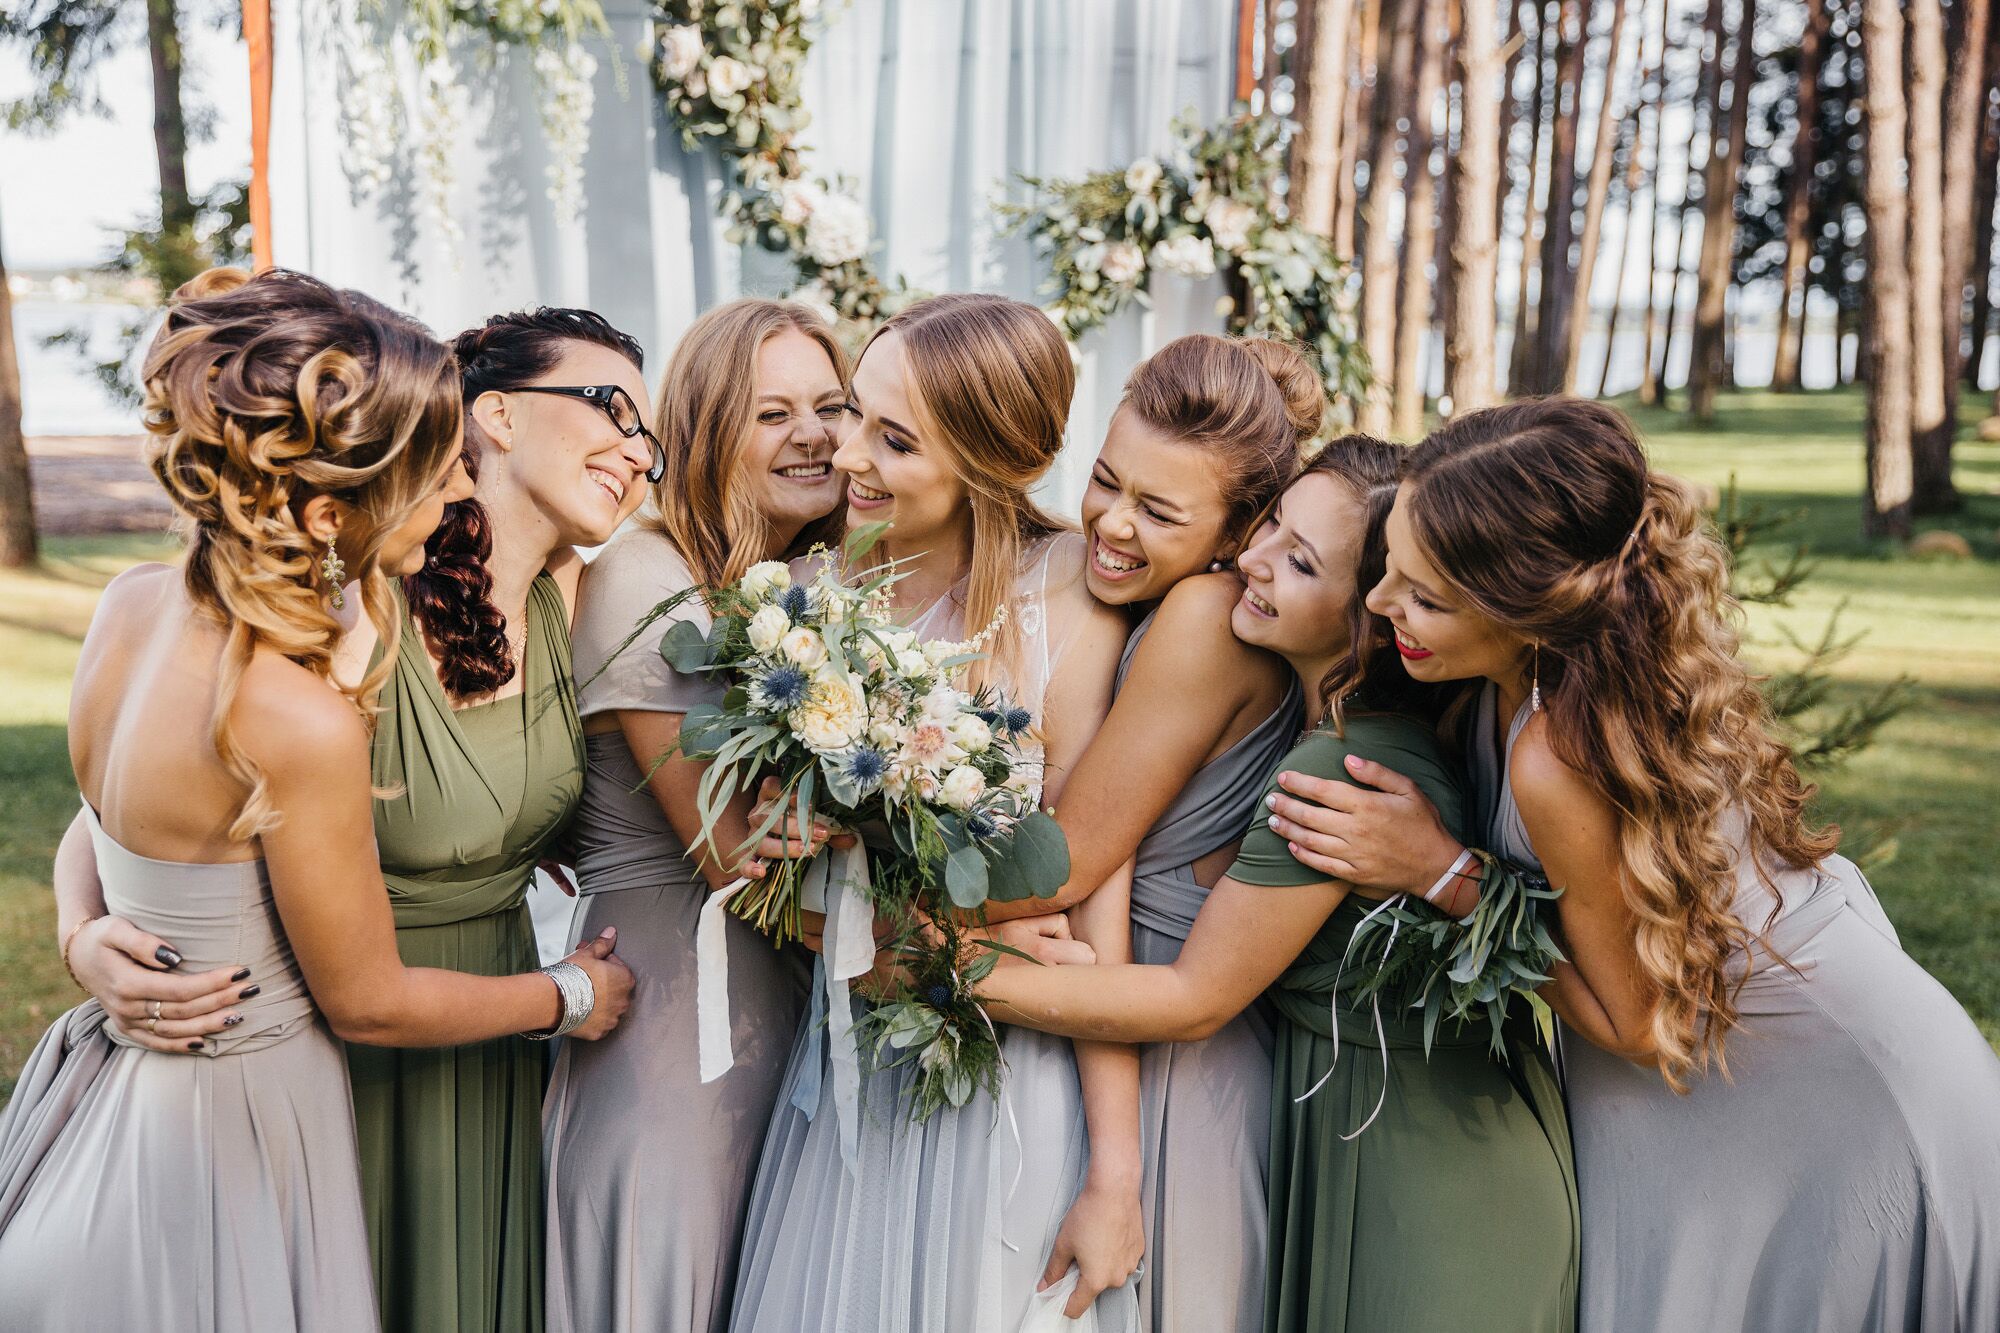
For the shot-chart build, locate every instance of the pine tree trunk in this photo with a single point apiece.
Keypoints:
(1609, 119)
(1447, 213)
(1888, 290)
(1512, 45)
(1521, 356)
(1319, 145)
(1558, 291)
(1924, 106)
(1635, 176)
(163, 42)
(1706, 85)
(1357, 110)
(1798, 203)
(1649, 379)
(1472, 321)
(1988, 168)
(1420, 191)
(17, 497)
(1958, 158)
(1379, 238)
(1707, 368)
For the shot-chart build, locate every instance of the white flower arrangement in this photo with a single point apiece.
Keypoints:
(867, 727)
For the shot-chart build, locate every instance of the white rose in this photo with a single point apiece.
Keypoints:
(834, 714)
(1142, 176)
(766, 577)
(1189, 255)
(944, 704)
(680, 51)
(817, 297)
(1229, 223)
(971, 733)
(962, 787)
(796, 202)
(912, 662)
(1123, 262)
(837, 232)
(1090, 258)
(803, 646)
(727, 75)
(768, 627)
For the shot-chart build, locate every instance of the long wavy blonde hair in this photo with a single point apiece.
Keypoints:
(1545, 516)
(707, 414)
(992, 379)
(261, 393)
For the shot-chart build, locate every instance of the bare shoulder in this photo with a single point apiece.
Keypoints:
(134, 592)
(289, 719)
(1193, 622)
(1545, 786)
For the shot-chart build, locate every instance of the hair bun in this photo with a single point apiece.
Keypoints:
(210, 282)
(1298, 383)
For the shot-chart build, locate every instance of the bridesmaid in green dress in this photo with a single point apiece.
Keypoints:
(481, 751)
(1455, 1144)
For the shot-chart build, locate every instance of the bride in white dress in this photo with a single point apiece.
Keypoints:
(947, 1226)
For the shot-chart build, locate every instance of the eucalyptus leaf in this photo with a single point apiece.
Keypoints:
(1042, 853)
(965, 878)
(685, 647)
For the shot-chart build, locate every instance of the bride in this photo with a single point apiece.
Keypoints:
(958, 408)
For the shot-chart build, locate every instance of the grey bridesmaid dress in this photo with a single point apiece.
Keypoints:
(187, 1193)
(1204, 1107)
(1845, 1177)
(648, 1169)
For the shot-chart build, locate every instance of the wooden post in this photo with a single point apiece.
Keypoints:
(257, 35)
(1246, 49)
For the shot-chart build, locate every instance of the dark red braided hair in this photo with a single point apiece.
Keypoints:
(451, 599)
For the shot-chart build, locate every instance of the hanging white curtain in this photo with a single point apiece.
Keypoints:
(930, 107)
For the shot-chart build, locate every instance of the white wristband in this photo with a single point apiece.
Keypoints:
(1465, 858)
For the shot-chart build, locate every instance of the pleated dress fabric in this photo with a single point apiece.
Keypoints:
(450, 1138)
(1846, 1176)
(649, 1169)
(943, 1226)
(1204, 1106)
(1455, 1208)
(200, 1193)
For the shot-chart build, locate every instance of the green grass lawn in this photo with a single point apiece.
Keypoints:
(1930, 786)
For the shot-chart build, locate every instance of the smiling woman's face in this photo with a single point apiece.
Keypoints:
(893, 474)
(797, 409)
(565, 453)
(1152, 512)
(1438, 636)
(1298, 571)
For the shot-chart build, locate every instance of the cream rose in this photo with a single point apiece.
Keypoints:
(1123, 262)
(971, 733)
(1142, 176)
(766, 577)
(767, 628)
(727, 75)
(680, 51)
(803, 646)
(833, 716)
(962, 787)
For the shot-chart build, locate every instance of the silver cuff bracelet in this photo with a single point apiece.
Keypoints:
(578, 999)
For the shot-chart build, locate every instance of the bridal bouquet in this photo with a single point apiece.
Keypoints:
(863, 726)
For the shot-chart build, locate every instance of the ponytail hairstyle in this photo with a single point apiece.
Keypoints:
(992, 379)
(1545, 516)
(451, 597)
(261, 393)
(706, 417)
(1256, 404)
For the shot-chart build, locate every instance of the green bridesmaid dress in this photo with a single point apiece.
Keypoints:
(1456, 1207)
(451, 1151)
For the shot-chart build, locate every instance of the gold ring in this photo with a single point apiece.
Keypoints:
(153, 1010)
(153, 1025)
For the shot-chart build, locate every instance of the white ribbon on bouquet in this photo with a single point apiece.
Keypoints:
(836, 882)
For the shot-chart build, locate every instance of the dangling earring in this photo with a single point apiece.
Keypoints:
(1535, 693)
(334, 571)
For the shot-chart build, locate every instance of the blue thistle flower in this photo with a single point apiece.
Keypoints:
(796, 602)
(992, 717)
(980, 825)
(783, 687)
(865, 765)
(939, 996)
(1019, 720)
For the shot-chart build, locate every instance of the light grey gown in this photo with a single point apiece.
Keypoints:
(944, 1226)
(201, 1193)
(1846, 1179)
(1204, 1107)
(648, 1168)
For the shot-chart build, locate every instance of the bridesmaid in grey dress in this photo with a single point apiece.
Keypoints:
(195, 1169)
(648, 1168)
(1780, 1120)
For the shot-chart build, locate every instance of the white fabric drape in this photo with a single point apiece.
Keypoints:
(930, 107)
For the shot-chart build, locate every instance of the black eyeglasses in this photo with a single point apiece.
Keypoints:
(617, 405)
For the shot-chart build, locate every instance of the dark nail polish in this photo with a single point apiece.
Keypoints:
(248, 991)
(232, 1020)
(167, 957)
(196, 1045)
(242, 974)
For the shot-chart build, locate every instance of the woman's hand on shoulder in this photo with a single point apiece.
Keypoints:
(1377, 830)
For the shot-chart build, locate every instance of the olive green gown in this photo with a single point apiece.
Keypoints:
(451, 1157)
(1456, 1208)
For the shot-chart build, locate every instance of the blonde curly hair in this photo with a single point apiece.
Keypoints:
(261, 393)
(1545, 516)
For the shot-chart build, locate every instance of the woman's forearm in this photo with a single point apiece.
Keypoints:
(79, 894)
(1115, 1002)
(428, 1006)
